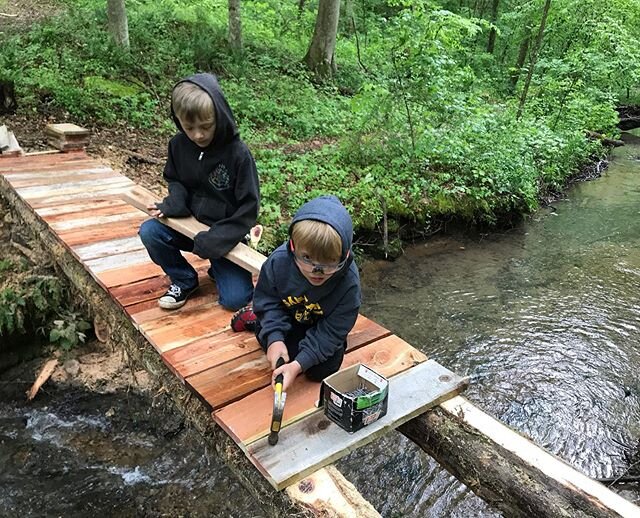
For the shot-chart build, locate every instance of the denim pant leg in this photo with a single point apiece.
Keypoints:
(164, 245)
(235, 284)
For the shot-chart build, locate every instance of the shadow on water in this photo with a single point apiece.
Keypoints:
(546, 321)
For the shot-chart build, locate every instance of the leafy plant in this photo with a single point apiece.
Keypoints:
(69, 330)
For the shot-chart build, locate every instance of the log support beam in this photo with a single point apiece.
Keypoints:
(506, 469)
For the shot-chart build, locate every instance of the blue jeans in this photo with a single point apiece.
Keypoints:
(235, 286)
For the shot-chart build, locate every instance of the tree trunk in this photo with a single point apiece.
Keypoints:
(493, 33)
(348, 27)
(522, 56)
(117, 20)
(506, 469)
(8, 103)
(534, 58)
(235, 26)
(320, 58)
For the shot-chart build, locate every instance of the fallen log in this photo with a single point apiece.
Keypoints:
(506, 469)
(605, 140)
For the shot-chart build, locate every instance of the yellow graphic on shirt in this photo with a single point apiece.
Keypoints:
(304, 311)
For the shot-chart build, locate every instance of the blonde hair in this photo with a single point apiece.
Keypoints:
(320, 240)
(191, 103)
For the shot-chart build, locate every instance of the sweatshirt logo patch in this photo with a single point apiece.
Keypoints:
(304, 311)
(219, 178)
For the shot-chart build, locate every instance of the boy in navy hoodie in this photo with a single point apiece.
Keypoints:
(308, 293)
(212, 177)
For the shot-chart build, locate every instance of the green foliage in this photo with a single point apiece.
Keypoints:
(29, 304)
(69, 330)
(419, 122)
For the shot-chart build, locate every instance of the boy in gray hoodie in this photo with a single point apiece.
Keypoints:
(308, 293)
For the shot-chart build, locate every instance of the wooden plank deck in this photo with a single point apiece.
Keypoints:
(81, 201)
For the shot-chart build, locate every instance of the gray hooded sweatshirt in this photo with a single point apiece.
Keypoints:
(284, 299)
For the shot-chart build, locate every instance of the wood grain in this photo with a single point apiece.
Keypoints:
(135, 272)
(20, 181)
(108, 248)
(117, 229)
(314, 441)
(178, 329)
(114, 262)
(208, 352)
(249, 419)
(80, 207)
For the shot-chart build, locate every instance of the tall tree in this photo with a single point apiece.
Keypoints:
(493, 32)
(118, 24)
(321, 58)
(534, 57)
(235, 25)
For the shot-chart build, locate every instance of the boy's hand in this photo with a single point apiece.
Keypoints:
(276, 350)
(154, 211)
(289, 373)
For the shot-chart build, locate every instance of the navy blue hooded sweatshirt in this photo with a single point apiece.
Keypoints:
(218, 185)
(284, 299)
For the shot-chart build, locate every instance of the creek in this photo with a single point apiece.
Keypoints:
(544, 318)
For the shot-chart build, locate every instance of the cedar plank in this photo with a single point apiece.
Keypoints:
(249, 419)
(179, 329)
(80, 206)
(232, 380)
(108, 248)
(124, 260)
(208, 352)
(64, 177)
(219, 388)
(128, 274)
(78, 211)
(102, 193)
(103, 232)
(63, 189)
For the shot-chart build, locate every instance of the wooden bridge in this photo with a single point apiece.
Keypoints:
(81, 202)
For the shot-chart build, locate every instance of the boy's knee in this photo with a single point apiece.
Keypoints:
(234, 303)
(148, 231)
(320, 372)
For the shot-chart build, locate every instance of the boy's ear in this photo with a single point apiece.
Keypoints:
(291, 245)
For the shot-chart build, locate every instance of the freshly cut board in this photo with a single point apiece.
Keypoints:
(315, 442)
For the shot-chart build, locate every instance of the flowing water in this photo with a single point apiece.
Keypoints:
(545, 319)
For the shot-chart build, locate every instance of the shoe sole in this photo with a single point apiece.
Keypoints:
(171, 305)
(166, 304)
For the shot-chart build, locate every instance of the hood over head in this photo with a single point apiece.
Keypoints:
(226, 129)
(330, 210)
